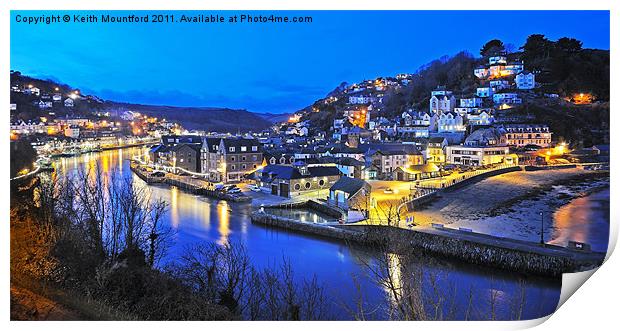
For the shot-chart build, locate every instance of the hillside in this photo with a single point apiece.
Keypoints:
(199, 118)
(562, 67)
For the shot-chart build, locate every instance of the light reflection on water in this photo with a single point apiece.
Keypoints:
(585, 219)
(198, 219)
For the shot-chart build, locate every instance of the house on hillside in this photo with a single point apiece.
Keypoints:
(525, 80)
(440, 103)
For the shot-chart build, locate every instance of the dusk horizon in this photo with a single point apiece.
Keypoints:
(289, 77)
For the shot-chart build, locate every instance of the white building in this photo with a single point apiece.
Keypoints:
(506, 98)
(481, 72)
(447, 122)
(527, 134)
(485, 92)
(33, 91)
(471, 102)
(482, 147)
(72, 131)
(499, 84)
(415, 131)
(442, 103)
(362, 99)
(44, 104)
(478, 155)
(416, 118)
(498, 59)
(514, 68)
(482, 118)
(525, 80)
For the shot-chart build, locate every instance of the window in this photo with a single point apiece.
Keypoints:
(232, 167)
(254, 148)
(297, 187)
(232, 158)
(243, 158)
(321, 182)
(243, 166)
(308, 184)
(231, 149)
(244, 149)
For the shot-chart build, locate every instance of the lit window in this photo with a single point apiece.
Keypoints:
(244, 149)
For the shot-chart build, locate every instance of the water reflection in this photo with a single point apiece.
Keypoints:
(174, 207)
(197, 219)
(585, 219)
(223, 214)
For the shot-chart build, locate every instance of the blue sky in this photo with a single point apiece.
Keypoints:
(269, 67)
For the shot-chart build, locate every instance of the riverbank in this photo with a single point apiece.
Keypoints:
(186, 183)
(101, 149)
(509, 205)
(520, 218)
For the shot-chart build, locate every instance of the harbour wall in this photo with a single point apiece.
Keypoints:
(551, 261)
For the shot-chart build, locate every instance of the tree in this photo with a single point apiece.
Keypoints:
(22, 156)
(492, 47)
(568, 45)
(536, 49)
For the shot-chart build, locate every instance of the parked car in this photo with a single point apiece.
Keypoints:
(253, 188)
(234, 190)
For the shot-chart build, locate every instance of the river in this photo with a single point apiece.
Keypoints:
(584, 219)
(197, 219)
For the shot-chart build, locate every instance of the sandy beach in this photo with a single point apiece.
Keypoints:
(509, 205)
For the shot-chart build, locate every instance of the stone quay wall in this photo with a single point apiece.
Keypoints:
(487, 254)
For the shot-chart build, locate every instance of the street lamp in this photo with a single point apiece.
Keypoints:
(542, 230)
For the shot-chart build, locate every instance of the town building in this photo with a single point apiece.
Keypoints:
(350, 193)
(485, 92)
(417, 172)
(484, 146)
(186, 158)
(72, 131)
(520, 135)
(447, 122)
(441, 103)
(230, 159)
(387, 157)
(525, 80)
(507, 98)
(470, 102)
(481, 118)
(435, 150)
(288, 181)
